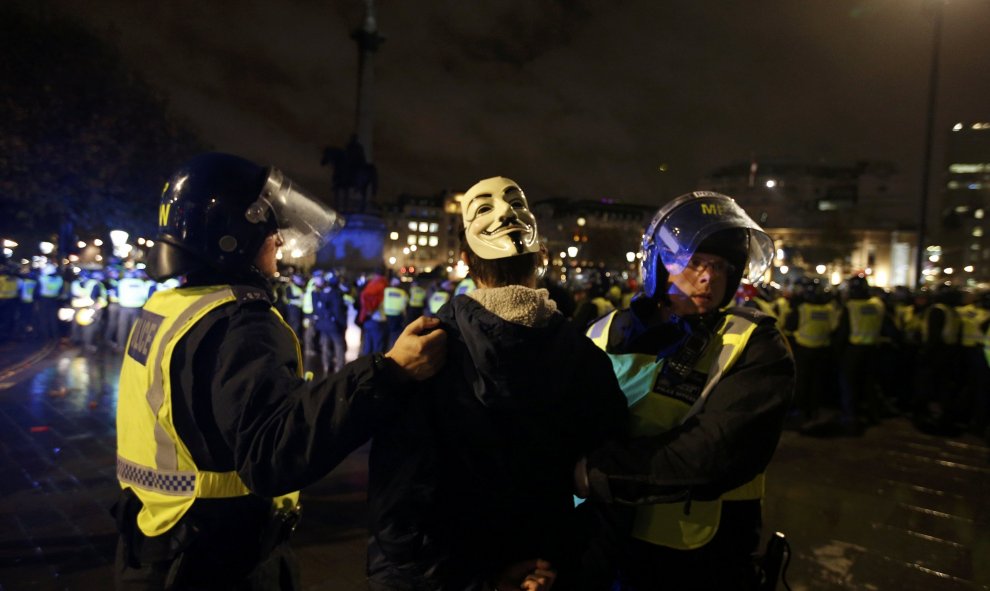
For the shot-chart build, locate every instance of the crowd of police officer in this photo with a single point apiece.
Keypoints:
(88, 307)
(864, 354)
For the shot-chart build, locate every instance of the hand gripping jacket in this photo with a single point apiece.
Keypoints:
(151, 457)
(651, 413)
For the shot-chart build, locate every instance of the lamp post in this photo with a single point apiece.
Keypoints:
(937, 6)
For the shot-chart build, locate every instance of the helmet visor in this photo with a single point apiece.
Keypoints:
(692, 218)
(304, 223)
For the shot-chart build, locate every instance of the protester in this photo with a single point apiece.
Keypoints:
(470, 478)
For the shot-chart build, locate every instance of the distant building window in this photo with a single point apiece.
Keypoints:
(434, 227)
(434, 241)
(412, 226)
(955, 185)
(424, 227)
(967, 168)
(978, 214)
(411, 239)
(975, 186)
(977, 232)
(422, 240)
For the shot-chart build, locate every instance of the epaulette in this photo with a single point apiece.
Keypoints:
(247, 294)
(752, 314)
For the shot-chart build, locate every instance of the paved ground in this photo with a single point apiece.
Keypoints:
(894, 509)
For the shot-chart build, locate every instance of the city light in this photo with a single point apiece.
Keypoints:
(46, 247)
(81, 244)
(771, 184)
(140, 240)
(9, 243)
(784, 269)
(98, 242)
(572, 251)
(581, 221)
(394, 236)
(563, 255)
(968, 268)
(391, 260)
(820, 269)
(934, 258)
(631, 256)
(405, 250)
(7, 252)
(149, 243)
(948, 270)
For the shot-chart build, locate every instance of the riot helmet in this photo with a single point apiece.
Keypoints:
(707, 222)
(859, 288)
(217, 210)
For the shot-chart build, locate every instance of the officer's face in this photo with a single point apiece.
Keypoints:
(267, 261)
(700, 287)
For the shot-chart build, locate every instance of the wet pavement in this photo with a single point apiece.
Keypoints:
(894, 509)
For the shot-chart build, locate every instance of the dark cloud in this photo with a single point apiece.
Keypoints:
(586, 99)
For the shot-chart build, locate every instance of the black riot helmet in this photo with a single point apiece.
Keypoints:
(217, 210)
(859, 288)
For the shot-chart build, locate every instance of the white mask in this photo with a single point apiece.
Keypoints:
(497, 220)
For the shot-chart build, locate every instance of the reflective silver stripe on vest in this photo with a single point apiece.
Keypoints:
(166, 456)
(169, 482)
(736, 326)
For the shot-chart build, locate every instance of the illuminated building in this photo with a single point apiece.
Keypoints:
(828, 220)
(965, 206)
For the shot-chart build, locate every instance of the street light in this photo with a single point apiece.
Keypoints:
(929, 130)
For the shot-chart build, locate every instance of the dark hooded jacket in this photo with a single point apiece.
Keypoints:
(474, 470)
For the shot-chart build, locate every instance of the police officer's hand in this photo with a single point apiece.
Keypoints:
(529, 575)
(421, 349)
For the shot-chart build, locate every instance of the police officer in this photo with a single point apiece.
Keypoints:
(708, 388)
(8, 301)
(330, 319)
(861, 323)
(216, 426)
(465, 286)
(50, 284)
(132, 293)
(938, 364)
(810, 322)
(26, 315)
(394, 305)
(417, 301)
(439, 296)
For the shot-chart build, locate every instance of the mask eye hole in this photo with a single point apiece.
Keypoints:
(517, 204)
(483, 209)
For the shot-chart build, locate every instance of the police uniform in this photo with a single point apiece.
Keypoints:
(238, 429)
(704, 441)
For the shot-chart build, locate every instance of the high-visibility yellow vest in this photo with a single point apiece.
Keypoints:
(417, 296)
(766, 307)
(27, 290)
(307, 299)
(8, 287)
(652, 413)
(972, 317)
(295, 294)
(782, 306)
(602, 306)
(152, 459)
(51, 286)
(903, 316)
(950, 327)
(466, 286)
(394, 302)
(132, 292)
(814, 329)
(112, 294)
(437, 300)
(865, 321)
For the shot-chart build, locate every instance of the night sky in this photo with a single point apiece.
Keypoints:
(585, 99)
